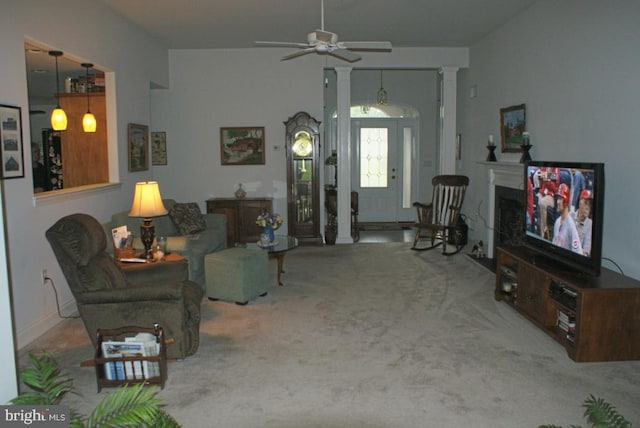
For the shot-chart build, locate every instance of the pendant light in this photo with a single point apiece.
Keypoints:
(58, 116)
(382, 94)
(88, 120)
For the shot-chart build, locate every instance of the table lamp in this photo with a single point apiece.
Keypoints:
(147, 203)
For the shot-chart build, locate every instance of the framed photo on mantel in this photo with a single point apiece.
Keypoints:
(512, 125)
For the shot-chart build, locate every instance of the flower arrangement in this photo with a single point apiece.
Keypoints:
(273, 220)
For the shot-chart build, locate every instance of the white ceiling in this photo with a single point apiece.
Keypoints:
(201, 24)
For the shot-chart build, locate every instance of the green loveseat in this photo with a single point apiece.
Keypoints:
(194, 246)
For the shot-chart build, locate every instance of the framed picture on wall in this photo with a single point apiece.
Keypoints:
(158, 148)
(242, 146)
(512, 125)
(138, 147)
(11, 140)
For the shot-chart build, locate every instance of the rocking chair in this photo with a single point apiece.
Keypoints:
(437, 220)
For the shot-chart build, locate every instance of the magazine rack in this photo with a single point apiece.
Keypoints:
(147, 369)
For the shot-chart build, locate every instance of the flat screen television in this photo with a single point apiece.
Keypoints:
(564, 204)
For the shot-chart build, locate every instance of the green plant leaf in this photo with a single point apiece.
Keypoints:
(128, 406)
(602, 414)
(45, 378)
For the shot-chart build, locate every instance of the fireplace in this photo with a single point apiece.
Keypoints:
(507, 222)
(505, 181)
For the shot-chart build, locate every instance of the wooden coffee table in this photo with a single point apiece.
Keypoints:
(282, 244)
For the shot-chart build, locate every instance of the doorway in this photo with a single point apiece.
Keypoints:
(382, 169)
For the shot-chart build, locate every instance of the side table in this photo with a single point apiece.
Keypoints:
(283, 244)
(174, 267)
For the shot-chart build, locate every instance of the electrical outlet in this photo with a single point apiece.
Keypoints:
(45, 275)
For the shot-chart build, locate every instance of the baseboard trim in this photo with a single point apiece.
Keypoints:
(41, 326)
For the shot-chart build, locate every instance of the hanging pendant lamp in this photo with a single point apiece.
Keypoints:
(382, 94)
(88, 120)
(58, 116)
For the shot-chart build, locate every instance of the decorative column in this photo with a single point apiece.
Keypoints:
(448, 93)
(344, 154)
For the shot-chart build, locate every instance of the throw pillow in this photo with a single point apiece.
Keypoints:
(187, 218)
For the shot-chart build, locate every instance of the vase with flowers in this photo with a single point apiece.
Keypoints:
(268, 223)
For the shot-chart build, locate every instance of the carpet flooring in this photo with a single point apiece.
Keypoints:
(370, 335)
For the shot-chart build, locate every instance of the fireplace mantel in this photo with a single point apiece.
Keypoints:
(507, 174)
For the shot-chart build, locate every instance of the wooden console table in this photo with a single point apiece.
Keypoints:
(241, 217)
(594, 318)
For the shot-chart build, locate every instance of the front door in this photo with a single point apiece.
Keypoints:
(378, 170)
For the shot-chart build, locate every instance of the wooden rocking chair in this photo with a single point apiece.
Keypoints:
(437, 221)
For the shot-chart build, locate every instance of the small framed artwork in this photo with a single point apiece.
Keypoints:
(138, 147)
(158, 148)
(11, 140)
(512, 125)
(242, 146)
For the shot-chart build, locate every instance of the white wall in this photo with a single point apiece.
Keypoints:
(216, 88)
(210, 89)
(9, 384)
(574, 63)
(89, 31)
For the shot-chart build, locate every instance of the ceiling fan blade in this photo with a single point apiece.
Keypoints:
(297, 54)
(282, 44)
(366, 46)
(345, 55)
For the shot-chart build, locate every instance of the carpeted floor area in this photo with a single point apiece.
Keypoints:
(371, 335)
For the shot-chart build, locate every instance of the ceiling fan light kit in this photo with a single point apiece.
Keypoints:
(382, 93)
(326, 43)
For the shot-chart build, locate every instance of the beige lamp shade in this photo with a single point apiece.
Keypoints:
(147, 201)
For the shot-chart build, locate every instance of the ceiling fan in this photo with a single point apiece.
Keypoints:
(326, 42)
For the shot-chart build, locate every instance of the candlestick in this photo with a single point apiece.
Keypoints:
(525, 146)
(525, 152)
(491, 157)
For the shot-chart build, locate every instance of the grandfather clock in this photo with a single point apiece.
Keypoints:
(303, 173)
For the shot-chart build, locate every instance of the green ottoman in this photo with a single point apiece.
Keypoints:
(236, 274)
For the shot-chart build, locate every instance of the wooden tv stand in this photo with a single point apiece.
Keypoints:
(594, 318)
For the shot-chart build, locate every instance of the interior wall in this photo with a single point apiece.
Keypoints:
(105, 39)
(217, 88)
(210, 89)
(574, 64)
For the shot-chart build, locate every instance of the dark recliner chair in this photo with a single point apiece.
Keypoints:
(107, 299)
